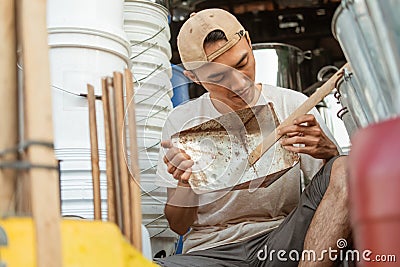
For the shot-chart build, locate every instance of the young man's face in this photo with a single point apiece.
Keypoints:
(230, 77)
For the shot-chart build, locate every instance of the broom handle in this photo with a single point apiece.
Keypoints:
(134, 182)
(121, 135)
(111, 205)
(94, 152)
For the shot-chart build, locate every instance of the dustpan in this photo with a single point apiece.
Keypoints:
(220, 149)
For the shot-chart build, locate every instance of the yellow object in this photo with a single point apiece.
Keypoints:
(84, 244)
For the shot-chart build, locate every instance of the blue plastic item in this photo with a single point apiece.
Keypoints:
(180, 83)
(179, 245)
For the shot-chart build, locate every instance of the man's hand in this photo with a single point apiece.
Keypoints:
(182, 203)
(179, 163)
(307, 132)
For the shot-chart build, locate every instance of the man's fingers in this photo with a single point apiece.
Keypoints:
(306, 140)
(183, 166)
(166, 144)
(297, 149)
(307, 118)
(293, 134)
(186, 175)
(292, 130)
(173, 153)
(178, 158)
(170, 155)
(170, 168)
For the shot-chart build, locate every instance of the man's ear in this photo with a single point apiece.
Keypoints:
(191, 76)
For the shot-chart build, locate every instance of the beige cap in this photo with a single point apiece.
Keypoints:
(195, 30)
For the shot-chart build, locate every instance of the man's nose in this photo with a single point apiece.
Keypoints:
(238, 81)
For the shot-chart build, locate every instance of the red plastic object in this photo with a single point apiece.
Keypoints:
(374, 188)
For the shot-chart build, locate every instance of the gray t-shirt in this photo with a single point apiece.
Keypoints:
(242, 214)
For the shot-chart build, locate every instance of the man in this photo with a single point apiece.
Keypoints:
(243, 227)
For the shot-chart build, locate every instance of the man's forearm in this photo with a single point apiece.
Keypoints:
(181, 209)
(180, 218)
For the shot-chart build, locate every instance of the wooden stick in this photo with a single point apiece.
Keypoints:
(114, 153)
(134, 182)
(119, 105)
(94, 152)
(8, 102)
(111, 205)
(311, 102)
(39, 127)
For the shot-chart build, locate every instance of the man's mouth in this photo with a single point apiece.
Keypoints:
(243, 93)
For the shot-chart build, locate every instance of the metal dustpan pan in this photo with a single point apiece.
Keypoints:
(220, 149)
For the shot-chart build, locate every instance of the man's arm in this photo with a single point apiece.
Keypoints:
(181, 208)
(182, 203)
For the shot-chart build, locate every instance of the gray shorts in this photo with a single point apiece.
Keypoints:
(289, 236)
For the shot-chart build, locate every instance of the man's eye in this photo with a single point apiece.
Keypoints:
(242, 65)
(217, 78)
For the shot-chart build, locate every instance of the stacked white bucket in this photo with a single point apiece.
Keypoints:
(87, 41)
(146, 25)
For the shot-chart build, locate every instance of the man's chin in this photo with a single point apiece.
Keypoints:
(246, 99)
(239, 103)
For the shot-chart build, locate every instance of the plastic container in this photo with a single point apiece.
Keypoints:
(79, 56)
(104, 15)
(374, 190)
(145, 14)
(180, 83)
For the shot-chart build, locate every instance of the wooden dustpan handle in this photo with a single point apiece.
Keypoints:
(311, 102)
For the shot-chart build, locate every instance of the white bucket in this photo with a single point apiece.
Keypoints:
(75, 157)
(153, 69)
(147, 145)
(147, 15)
(67, 155)
(147, 163)
(149, 46)
(147, 33)
(79, 56)
(147, 182)
(150, 130)
(154, 60)
(71, 122)
(149, 98)
(152, 82)
(104, 15)
(146, 25)
(139, 36)
(77, 188)
(150, 49)
(144, 121)
(156, 91)
(152, 111)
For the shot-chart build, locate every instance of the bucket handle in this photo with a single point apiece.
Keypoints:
(307, 54)
(342, 112)
(151, 37)
(324, 70)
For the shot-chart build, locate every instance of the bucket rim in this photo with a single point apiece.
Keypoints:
(147, 4)
(122, 39)
(258, 46)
